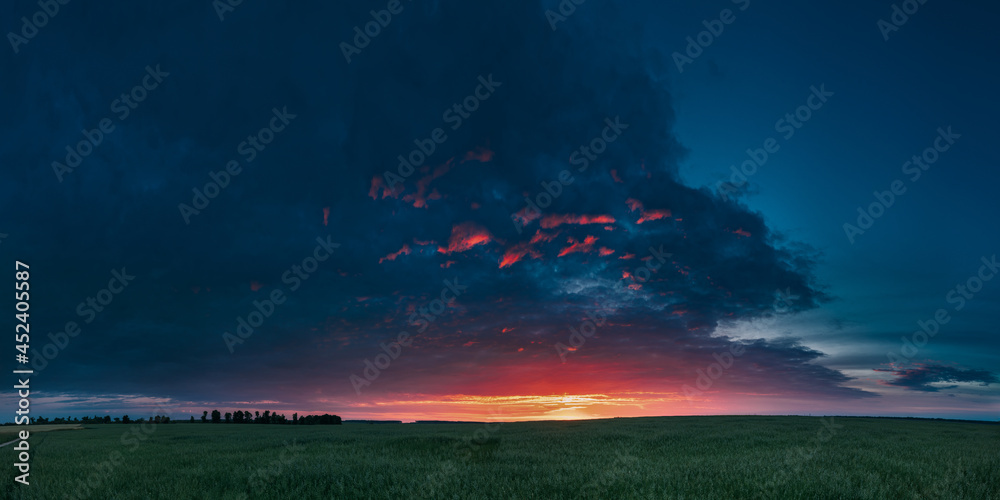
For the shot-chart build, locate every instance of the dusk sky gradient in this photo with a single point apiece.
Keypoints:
(767, 271)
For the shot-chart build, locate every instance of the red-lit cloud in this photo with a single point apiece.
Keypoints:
(518, 252)
(392, 256)
(479, 154)
(582, 247)
(550, 221)
(465, 236)
(635, 205)
(419, 199)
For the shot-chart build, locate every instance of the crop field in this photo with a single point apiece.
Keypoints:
(655, 458)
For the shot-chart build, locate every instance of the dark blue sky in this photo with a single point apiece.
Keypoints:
(641, 243)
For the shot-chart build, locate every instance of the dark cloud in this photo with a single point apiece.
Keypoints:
(602, 244)
(921, 378)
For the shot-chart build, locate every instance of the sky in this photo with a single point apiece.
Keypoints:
(505, 210)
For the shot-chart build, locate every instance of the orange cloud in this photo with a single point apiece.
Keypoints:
(605, 251)
(550, 221)
(648, 215)
(465, 236)
(377, 184)
(575, 246)
(419, 199)
(479, 154)
(518, 252)
(392, 256)
(543, 237)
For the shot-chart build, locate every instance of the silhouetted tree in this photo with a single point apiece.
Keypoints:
(204, 416)
(256, 419)
(125, 419)
(229, 417)
(216, 416)
(192, 419)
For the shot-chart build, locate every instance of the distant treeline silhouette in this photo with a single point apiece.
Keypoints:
(245, 417)
(240, 417)
(96, 419)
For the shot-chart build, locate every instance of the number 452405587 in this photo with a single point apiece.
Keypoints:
(21, 295)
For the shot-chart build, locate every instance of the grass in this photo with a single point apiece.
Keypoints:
(661, 458)
(11, 430)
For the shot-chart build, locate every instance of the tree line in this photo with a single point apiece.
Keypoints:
(96, 419)
(240, 417)
(245, 417)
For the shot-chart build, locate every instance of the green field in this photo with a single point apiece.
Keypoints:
(656, 458)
